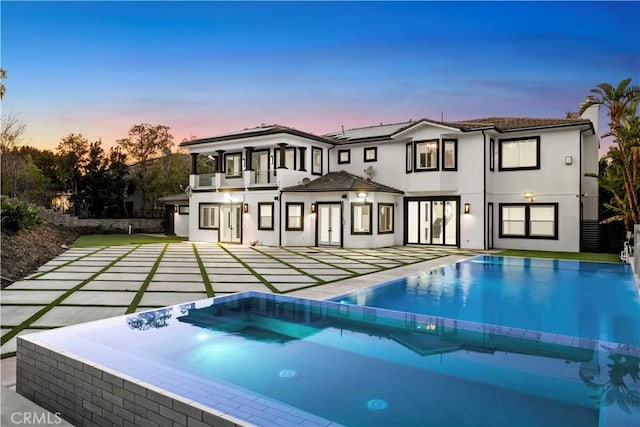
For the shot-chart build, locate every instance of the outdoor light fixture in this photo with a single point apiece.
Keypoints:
(467, 208)
(313, 208)
(245, 208)
(568, 160)
(530, 196)
(362, 195)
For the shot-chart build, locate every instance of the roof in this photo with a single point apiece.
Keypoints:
(256, 132)
(342, 181)
(180, 197)
(500, 124)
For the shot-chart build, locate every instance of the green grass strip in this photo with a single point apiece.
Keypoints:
(579, 256)
(64, 265)
(143, 288)
(353, 272)
(203, 272)
(348, 258)
(122, 239)
(25, 324)
(251, 270)
(291, 266)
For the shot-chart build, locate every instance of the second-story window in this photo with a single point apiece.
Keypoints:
(344, 156)
(409, 159)
(449, 154)
(316, 161)
(426, 155)
(519, 153)
(233, 165)
(371, 154)
(289, 158)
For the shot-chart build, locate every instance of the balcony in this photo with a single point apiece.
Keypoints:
(272, 178)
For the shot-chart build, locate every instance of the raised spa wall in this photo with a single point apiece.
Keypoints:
(85, 394)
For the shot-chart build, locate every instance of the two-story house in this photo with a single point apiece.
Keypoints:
(497, 182)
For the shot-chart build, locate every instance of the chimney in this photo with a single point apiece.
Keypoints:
(592, 113)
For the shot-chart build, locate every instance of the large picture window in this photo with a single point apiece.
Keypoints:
(449, 154)
(385, 218)
(426, 155)
(295, 216)
(361, 219)
(316, 161)
(209, 216)
(233, 165)
(536, 221)
(521, 153)
(265, 216)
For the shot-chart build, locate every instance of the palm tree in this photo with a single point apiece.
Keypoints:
(622, 102)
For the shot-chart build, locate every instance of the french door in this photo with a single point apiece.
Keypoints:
(432, 221)
(231, 223)
(329, 224)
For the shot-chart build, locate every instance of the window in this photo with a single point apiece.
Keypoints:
(492, 155)
(183, 209)
(344, 156)
(409, 164)
(385, 218)
(316, 161)
(361, 219)
(289, 158)
(426, 155)
(449, 154)
(265, 216)
(536, 221)
(521, 153)
(233, 165)
(209, 216)
(370, 154)
(295, 216)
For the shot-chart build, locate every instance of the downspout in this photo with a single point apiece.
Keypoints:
(280, 219)
(484, 189)
(580, 205)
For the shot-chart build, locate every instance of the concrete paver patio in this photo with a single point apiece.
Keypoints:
(93, 283)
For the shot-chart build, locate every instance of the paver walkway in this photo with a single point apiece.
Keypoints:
(85, 284)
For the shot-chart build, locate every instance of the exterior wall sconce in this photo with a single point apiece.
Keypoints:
(313, 208)
(245, 208)
(530, 196)
(362, 195)
(467, 208)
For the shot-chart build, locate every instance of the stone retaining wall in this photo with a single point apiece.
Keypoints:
(138, 225)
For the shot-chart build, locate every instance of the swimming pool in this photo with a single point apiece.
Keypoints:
(275, 360)
(583, 299)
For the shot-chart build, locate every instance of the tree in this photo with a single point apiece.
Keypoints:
(3, 75)
(73, 151)
(621, 102)
(144, 143)
(166, 175)
(11, 162)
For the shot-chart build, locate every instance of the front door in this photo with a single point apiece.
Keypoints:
(432, 221)
(231, 223)
(329, 224)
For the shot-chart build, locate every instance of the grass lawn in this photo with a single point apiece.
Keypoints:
(122, 239)
(580, 256)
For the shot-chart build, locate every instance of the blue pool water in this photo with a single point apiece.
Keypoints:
(582, 299)
(358, 366)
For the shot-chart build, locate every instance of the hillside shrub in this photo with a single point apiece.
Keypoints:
(18, 216)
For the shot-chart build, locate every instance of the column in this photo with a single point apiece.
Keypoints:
(282, 146)
(248, 158)
(301, 165)
(220, 161)
(194, 163)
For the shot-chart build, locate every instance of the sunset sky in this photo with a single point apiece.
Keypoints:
(205, 68)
